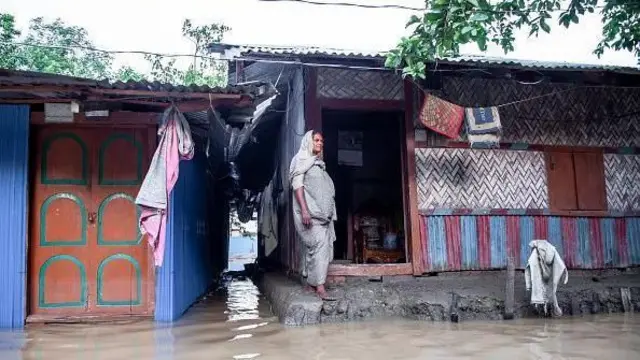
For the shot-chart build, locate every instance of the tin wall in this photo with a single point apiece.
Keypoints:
(188, 268)
(14, 164)
(452, 243)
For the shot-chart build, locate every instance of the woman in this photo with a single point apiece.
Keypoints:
(314, 210)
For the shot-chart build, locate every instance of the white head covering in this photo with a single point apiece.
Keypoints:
(304, 158)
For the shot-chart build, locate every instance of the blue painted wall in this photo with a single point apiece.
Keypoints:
(188, 268)
(14, 165)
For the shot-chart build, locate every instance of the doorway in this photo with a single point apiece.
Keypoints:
(363, 153)
(86, 254)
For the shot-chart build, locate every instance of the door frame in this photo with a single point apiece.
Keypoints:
(314, 107)
(134, 121)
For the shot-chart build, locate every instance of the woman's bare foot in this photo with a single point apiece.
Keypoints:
(322, 293)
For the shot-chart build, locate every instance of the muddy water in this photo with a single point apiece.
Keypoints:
(239, 326)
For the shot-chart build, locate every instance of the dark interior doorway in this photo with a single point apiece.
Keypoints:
(363, 153)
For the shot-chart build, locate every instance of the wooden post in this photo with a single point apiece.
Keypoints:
(453, 309)
(509, 299)
(625, 294)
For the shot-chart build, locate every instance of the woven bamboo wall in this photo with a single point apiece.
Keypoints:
(479, 179)
(622, 176)
(358, 84)
(580, 117)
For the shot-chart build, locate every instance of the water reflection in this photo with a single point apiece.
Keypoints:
(239, 326)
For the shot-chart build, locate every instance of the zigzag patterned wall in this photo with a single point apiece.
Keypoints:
(357, 84)
(480, 179)
(622, 176)
(580, 117)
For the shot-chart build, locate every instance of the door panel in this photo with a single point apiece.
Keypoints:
(87, 256)
(120, 257)
(591, 189)
(561, 181)
(58, 221)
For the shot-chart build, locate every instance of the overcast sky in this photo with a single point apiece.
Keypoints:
(155, 25)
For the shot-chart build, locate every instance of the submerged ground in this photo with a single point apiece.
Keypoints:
(239, 325)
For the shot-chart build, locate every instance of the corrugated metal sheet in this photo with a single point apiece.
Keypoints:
(290, 137)
(14, 164)
(31, 78)
(188, 269)
(314, 51)
(452, 243)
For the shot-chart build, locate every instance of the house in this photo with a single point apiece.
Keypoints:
(73, 153)
(566, 169)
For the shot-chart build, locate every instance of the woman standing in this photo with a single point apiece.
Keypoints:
(314, 210)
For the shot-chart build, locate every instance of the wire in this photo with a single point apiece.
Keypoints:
(90, 48)
(403, 7)
(283, 62)
(365, 6)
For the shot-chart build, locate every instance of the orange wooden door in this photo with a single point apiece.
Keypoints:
(87, 256)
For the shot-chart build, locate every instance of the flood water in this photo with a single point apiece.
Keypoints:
(240, 326)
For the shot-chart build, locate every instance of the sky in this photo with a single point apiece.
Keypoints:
(155, 25)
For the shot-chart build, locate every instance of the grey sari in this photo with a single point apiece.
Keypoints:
(308, 171)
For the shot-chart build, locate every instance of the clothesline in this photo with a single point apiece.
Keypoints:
(551, 93)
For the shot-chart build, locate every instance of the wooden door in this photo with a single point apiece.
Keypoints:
(561, 181)
(87, 256)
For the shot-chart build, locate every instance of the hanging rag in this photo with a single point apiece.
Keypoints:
(483, 126)
(268, 220)
(153, 198)
(441, 116)
(545, 270)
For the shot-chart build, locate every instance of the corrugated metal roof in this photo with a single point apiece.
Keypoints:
(13, 77)
(294, 50)
(230, 50)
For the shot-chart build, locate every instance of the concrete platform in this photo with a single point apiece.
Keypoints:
(477, 296)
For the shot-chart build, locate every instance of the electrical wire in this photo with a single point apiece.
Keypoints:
(305, 64)
(346, 4)
(242, 58)
(411, 8)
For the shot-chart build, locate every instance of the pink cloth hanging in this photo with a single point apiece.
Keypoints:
(175, 145)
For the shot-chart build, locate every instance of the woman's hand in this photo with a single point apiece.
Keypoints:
(306, 218)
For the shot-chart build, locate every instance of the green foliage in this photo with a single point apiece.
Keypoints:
(69, 52)
(70, 58)
(202, 70)
(127, 73)
(8, 33)
(448, 24)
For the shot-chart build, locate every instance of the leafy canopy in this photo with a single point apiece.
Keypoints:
(70, 54)
(448, 24)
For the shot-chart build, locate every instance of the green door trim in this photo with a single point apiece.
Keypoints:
(101, 159)
(101, 210)
(43, 221)
(44, 177)
(133, 302)
(41, 283)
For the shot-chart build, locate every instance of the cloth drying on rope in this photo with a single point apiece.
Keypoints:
(483, 126)
(441, 116)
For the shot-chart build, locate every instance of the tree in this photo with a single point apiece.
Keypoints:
(8, 33)
(202, 70)
(67, 56)
(448, 24)
(69, 51)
